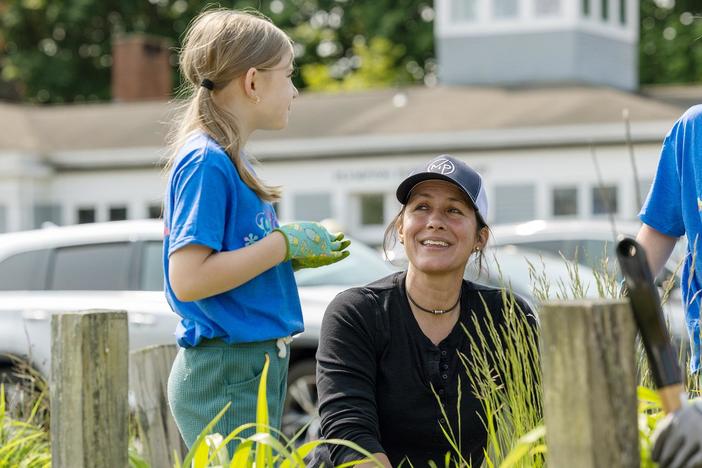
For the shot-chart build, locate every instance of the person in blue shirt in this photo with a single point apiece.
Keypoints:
(228, 264)
(672, 209)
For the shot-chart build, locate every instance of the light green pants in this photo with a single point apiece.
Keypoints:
(206, 377)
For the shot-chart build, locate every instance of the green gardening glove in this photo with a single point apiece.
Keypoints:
(310, 245)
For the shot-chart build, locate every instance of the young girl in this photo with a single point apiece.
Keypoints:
(228, 265)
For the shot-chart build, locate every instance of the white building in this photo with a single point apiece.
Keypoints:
(344, 154)
(538, 41)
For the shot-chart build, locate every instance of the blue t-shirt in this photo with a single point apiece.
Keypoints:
(674, 208)
(208, 204)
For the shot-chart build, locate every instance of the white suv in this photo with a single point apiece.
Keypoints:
(591, 241)
(118, 265)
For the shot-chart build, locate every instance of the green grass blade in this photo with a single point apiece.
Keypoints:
(200, 457)
(242, 455)
(264, 454)
(201, 438)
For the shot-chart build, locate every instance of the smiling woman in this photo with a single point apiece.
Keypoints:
(388, 357)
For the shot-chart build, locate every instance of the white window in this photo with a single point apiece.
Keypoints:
(547, 7)
(3, 218)
(154, 211)
(312, 206)
(46, 213)
(604, 200)
(464, 10)
(622, 12)
(604, 10)
(505, 9)
(514, 203)
(86, 214)
(118, 213)
(372, 209)
(565, 201)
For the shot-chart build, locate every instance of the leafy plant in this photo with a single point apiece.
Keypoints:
(23, 443)
(267, 447)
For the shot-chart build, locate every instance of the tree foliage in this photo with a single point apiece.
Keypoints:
(671, 41)
(60, 50)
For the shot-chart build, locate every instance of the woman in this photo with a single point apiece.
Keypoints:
(389, 351)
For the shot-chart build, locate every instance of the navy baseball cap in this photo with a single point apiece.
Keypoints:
(450, 169)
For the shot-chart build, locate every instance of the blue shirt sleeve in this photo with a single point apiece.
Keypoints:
(201, 193)
(662, 209)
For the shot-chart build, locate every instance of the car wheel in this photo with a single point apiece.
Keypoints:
(300, 409)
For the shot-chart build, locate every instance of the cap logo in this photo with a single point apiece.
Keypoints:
(442, 166)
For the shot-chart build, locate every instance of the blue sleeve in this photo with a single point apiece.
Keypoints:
(200, 194)
(662, 209)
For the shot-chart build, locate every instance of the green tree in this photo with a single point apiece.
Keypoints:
(671, 41)
(60, 50)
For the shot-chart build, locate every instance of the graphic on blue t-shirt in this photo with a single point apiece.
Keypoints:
(208, 204)
(673, 208)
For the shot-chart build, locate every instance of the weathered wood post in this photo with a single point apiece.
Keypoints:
(89, 399)
(148, 376)
(589, 380)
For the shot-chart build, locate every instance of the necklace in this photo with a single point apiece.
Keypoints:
(435, 311)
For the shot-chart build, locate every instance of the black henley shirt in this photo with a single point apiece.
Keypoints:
(376, 369)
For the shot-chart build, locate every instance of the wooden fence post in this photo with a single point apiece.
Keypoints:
(589, 380)
(89, 399)
(148, 375)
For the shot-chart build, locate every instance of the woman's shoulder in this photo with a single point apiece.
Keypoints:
(371, 291)
(365, 300)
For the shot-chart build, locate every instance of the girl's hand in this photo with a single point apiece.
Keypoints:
(310, 245)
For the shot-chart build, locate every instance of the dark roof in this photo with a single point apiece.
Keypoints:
(392, 112)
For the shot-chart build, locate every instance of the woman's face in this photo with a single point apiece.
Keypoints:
(439, 228)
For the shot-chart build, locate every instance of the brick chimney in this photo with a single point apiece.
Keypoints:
(141, 69)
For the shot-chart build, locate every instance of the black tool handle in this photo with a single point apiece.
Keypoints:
(646, 305)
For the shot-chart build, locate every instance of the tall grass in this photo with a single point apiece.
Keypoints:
(23, 442)
(268, 447)
(506, 379)
(504, 372)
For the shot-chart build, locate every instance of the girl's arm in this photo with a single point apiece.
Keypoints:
(658, 247)
(197, 272)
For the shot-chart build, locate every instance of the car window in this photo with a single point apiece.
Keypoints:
(509, 266)
(92, 267)
(589, 252)
(364, 265)
(25, 271)
(152, 266)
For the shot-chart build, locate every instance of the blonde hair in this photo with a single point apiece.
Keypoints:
(221, 45)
